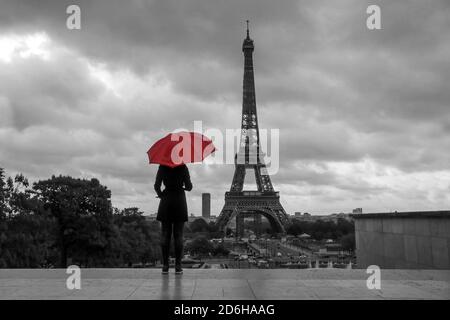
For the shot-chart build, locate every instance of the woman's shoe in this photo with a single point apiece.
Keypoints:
(165, 270)
(178, 270)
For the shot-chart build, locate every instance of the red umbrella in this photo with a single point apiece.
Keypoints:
(181, 147)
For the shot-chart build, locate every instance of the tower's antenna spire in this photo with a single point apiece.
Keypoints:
(248, 32)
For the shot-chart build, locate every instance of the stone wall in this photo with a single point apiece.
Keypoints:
(406, 240)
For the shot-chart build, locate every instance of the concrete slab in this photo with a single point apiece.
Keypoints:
(148, 284)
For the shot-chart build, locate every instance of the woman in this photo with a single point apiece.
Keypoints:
(172, 211)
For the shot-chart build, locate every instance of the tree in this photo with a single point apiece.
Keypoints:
(348, 242)
(345, 227)
(220, 250)
(6, 191)
(29, 241)
(2, 194)
(199, 225)
(322, 229)
(200, 246)
(139, 238)
(63, 217)
(26, 231)
(82, 209)
(294, 228)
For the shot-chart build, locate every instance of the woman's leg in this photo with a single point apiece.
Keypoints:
(166, 234)
(178, 241)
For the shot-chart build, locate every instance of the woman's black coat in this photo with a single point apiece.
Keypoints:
(172, 206)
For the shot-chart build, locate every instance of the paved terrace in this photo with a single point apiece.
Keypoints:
(224, 284)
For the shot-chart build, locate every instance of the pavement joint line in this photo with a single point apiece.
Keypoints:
(134, 291)
(195, 288)
(251, 289)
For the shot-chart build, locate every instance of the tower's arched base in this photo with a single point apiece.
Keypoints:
(250, 202)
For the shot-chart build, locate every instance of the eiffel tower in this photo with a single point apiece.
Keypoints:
(265, 201)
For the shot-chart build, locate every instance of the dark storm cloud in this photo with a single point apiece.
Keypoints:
(338, 92)
(306, 51)
(47, 93)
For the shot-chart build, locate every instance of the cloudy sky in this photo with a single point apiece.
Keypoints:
(364, 116)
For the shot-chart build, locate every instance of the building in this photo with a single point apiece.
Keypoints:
(151, 217)
(330, 250)
(357, 211)
(403, 240)
(312, 218)
(336, 216)
(206, 205)
(303, 216)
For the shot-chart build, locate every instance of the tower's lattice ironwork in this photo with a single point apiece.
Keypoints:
(264, 201)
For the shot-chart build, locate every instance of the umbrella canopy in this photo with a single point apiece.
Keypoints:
(180, 148)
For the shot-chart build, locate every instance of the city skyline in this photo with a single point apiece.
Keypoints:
(363, 114)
